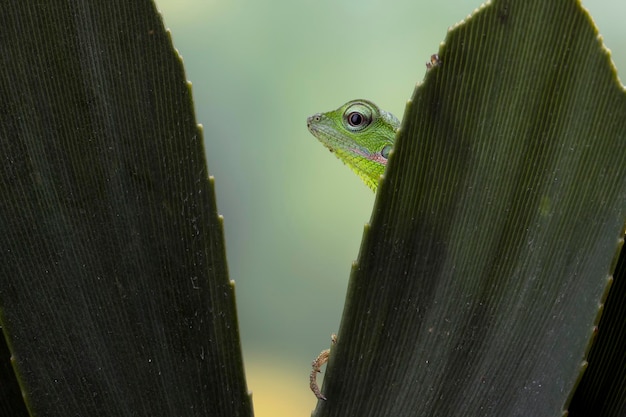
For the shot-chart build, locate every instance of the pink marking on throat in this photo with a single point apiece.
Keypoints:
(376, 157)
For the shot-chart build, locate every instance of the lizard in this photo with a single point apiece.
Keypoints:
(361, 135)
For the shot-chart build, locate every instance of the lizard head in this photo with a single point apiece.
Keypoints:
(360, 134)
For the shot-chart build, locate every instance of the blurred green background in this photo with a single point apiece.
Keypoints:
(294, 215)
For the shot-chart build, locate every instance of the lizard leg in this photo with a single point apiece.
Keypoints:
(317, 364)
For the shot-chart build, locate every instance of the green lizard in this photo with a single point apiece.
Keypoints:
(360, 134)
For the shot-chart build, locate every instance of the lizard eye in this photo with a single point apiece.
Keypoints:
(385, 151)
(357, 116)
(358, 121)
(355, 119)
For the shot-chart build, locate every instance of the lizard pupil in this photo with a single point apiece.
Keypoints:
(355, 119)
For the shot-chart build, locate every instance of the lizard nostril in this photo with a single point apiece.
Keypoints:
(311, 119)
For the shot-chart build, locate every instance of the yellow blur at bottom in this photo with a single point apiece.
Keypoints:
(279, 389)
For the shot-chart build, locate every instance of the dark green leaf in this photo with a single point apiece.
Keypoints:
(602, 390)
(114, 292)
(496, 228)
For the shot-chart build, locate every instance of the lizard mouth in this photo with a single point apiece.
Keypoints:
(333, 140)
